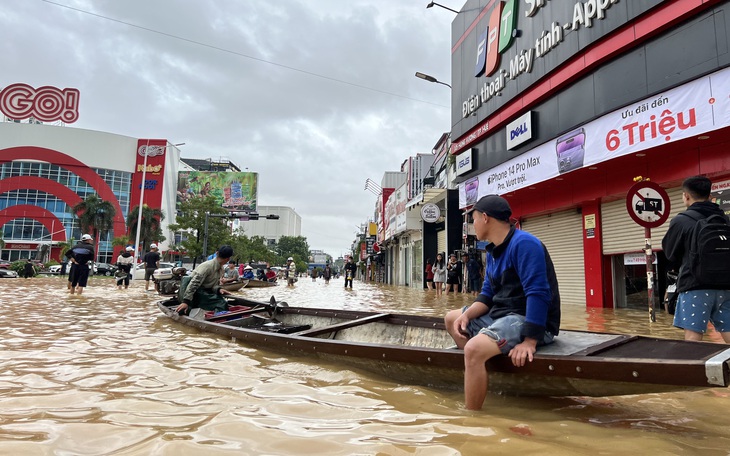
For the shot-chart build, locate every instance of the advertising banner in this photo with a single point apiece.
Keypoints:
(233, 191)
(400, 209)
(687, 111)
(155, 149)
(721, 195)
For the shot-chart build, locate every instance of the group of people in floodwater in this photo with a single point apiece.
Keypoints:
(458, 276)
(235, 272)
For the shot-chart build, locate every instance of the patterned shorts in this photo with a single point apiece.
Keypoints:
(696, 307)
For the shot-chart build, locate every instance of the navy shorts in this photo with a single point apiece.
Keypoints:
(80, 276)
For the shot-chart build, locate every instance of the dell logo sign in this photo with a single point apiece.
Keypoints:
(519, 130)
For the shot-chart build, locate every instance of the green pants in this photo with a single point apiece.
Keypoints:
(203, 298)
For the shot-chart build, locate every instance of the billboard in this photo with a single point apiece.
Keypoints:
(155, 150)
(233, 191)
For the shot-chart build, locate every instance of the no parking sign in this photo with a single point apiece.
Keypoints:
(648, 204)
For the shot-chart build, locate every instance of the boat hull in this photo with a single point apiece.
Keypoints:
(417, 350)
(235, 286)
(253, 283)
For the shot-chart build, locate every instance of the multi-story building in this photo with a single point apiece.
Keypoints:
(45, 170)
(568, 102)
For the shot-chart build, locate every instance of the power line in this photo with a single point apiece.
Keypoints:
(239, 54)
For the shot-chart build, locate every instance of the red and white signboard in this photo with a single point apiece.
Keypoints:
(695, 108)
(648, 204)
(155, 150)
(47, 104)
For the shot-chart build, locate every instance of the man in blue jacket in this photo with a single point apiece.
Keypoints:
(518, 308)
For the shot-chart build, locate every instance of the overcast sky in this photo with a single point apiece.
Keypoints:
(314, 95)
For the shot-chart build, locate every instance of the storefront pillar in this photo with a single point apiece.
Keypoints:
(593, 256)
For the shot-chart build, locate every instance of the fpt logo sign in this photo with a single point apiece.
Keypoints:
(47, 104)
(497, 38)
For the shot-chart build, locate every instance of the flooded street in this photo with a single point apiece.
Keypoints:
(106, 373)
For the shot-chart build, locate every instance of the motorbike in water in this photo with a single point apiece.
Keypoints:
(167, 280)
(671, 295)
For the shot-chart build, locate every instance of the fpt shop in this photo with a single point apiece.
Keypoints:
(560, 105)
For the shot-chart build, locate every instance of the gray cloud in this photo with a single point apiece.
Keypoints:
(313, 140)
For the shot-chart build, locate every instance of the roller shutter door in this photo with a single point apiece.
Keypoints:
(562, 234)
(621, 234)
(441, 238)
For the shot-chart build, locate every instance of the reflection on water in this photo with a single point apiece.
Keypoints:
(105, 373)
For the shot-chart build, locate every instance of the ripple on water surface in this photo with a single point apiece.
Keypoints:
(106, 373)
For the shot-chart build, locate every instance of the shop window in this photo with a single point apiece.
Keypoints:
(630, 282)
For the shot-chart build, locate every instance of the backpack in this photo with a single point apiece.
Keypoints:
(709, 252)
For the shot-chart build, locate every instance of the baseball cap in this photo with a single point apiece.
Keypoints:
(494, 206)
(86, 237)
(290, 259)
(129, 248)
(248, 267)
(153, 246)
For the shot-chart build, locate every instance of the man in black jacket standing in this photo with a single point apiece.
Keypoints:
(79, 256)
(699, 301)
(350, 269)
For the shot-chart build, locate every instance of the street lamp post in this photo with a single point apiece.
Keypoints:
(141, 201)
(442, 6)
(429, 78)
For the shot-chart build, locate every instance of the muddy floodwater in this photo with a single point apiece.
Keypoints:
(105, 373)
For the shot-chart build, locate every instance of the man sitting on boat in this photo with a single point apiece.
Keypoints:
(230, 274)
(518, 308)
(202, 288)
(248, 272)
(270, 275)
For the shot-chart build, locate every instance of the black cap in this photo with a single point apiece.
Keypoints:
(494, 206)
(225, 251)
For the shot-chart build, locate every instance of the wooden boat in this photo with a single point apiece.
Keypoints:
(255, 283)
(418, 350)
(235, 286)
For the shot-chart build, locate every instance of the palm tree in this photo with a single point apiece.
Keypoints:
(150, 229)
(95, 215)
(121, 241)
(65, 247)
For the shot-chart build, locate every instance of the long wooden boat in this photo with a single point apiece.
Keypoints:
(235, 286)
(418, 350)
(255, 283)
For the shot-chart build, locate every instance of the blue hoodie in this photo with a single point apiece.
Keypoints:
(520, 278)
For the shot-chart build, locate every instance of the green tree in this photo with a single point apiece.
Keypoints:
(95, 215)
(65, 247)
(252, 249)
(121, 241)
(293, 246)
(191, 218)
(150, 229)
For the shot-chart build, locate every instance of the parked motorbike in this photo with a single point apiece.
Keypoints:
(671, 295)
(167, 280)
